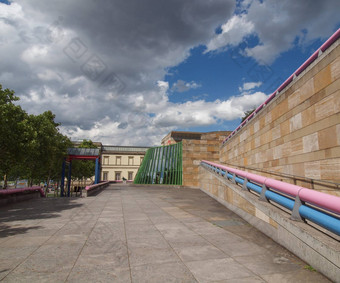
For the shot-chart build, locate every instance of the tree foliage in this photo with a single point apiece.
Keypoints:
(247, 114)
(84, 168)
(31, 146)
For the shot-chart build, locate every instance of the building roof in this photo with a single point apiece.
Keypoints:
(180, 135)
(78, 151)
(127, 149)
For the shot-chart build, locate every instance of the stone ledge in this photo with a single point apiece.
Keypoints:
(13, 198)
(313, 246)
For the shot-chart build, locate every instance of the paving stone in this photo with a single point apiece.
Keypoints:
(298, 276)
(200, 252)
(36, 276)
(204, 227)
(139, 234)
(99, 274)
(234, 245)
(253, 279)
(188, 240)
(218, 269)
(155, 273)
(146, 255)
(269, 263)
(157, 242)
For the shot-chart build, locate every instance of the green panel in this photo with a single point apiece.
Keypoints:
(161, 165)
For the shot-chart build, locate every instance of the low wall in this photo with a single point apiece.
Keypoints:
(321, 251)
(9, 196)
(93, 189)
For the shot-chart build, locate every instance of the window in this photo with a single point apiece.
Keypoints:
(117, 176)
(141, 160)
(105, 174)
(130, 176)
(130, 161)
(106, 160)
(118, 160)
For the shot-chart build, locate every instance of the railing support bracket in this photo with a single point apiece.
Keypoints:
(295, 213)
(234, 178)
(263, 193)
(244, 186)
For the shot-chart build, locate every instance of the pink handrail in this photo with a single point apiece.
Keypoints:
(309, 61)
(22, 190)
(322, 200)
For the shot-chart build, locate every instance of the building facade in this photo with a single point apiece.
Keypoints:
(120, 162)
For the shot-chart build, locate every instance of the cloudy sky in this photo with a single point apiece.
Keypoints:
(126, 72)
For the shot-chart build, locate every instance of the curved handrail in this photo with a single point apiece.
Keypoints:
(22, 190)
(284, 194)
(322, 200)
(309, 61)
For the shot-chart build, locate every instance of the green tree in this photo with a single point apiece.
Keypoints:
(247, 114)
(31, 146)
(15, 132)
(47, 148)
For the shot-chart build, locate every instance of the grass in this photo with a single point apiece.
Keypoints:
(310, 268)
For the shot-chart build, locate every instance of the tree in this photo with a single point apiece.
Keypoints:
(15, 132)
(46, 148)
(247, 114)
(31, 146)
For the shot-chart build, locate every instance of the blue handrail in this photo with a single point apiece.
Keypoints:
(329, 221)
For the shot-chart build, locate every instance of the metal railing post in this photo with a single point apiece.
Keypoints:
(295, 213)
(234, 178)
(244, 186)
(263, 193)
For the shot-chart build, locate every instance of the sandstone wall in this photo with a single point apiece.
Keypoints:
(298, 133)
(207, 148)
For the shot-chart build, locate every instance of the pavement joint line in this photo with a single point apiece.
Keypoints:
(172, 246)
(228, 182)
(127, 245)
(148, 205)
(26, 258)
(68, 275)
(251, 272)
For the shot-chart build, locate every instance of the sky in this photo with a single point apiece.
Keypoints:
(128, 72)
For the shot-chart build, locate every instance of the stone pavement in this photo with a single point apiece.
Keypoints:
(139, 234)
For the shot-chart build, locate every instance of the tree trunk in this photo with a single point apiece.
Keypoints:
(5, 181)
(47, 184)
(56, 190)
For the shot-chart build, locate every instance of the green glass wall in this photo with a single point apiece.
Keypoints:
(161, 165)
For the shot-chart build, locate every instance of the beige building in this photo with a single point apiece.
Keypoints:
(120, 162)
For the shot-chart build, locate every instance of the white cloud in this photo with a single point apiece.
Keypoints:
(249, 86)
(164, 86)
(233, 33)
(203, 113)
(182, 86)
(11, 12)
(135, 46)
(278, 26)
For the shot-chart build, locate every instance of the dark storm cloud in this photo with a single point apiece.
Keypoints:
(137, 38)
(97, 64)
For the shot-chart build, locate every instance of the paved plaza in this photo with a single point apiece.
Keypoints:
(139, 234)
